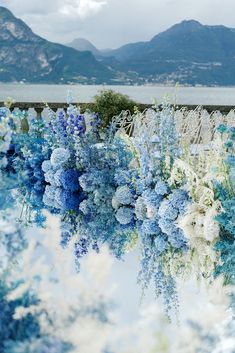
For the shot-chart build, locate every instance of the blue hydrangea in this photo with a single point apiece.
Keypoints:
(150, 227)
(160, 243)
(167, 211)
(87, 182)
(123, 195)
(161, 188)
(69, 179)
(124, 215)
(71, 200)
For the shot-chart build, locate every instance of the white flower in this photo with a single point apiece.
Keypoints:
(59, 156)
(140, 209)
(115, 203)
(199, 222)
(5, 135)
(46, 166)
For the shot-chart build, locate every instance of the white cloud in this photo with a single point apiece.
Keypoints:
(111, 23)
(82, 8)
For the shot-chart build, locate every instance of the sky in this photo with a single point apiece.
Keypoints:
(112, 23)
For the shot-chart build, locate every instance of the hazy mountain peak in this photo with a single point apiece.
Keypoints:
(5, 12)
(83, 44)
(186, 26)
(12, 28)
(190, 24)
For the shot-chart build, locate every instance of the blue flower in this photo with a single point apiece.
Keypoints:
(150, 227)
(124, 215)
(86, 182)
(222, 128)
(161, 188)
(167, 211)
(124, 195)
(69, 179)
(160, 244)
(71, 200)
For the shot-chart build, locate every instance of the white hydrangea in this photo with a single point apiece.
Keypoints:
(57, 177)
(199, 222)
(59, 156)
(140, 209)
(5, 135)
(46, 166)
(49, 195)
(115, 203)
(84, 207)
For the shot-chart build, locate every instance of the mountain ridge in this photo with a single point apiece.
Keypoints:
(188, 52)
(25, 56)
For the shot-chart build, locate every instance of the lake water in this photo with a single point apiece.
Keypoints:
(141, 94)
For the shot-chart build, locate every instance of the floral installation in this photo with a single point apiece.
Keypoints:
(154, 189)
(156, 204)
(225, 192)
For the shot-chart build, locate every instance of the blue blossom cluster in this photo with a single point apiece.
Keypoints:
(7, 179)
(157, 211)
(97, 222)
(157, 207)
(108, 190)
(62, 191)
(67, 126)
(128, 185)
(226, 194)
(226, 243)
(157, 145)
(170, 209)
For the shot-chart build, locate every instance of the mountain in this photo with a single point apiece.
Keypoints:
(102, 56)
(24, 56)
(82, 44)
(125, 52)
(188, 52)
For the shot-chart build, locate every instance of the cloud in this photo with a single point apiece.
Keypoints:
(111, 23)
(82, 8)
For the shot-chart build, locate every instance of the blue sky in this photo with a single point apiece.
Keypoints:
(111, 23)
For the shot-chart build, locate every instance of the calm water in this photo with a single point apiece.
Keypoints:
(142, 94)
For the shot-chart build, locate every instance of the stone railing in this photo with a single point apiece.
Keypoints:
(40, 107)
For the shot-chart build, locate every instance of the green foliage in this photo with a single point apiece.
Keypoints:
(109, 103)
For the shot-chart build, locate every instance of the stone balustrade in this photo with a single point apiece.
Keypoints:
(39, 108)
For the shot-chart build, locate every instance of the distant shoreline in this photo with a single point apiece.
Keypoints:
(176, 86)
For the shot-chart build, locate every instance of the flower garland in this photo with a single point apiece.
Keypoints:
(151, 189)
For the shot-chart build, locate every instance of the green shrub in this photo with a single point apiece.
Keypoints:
(109, 104)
